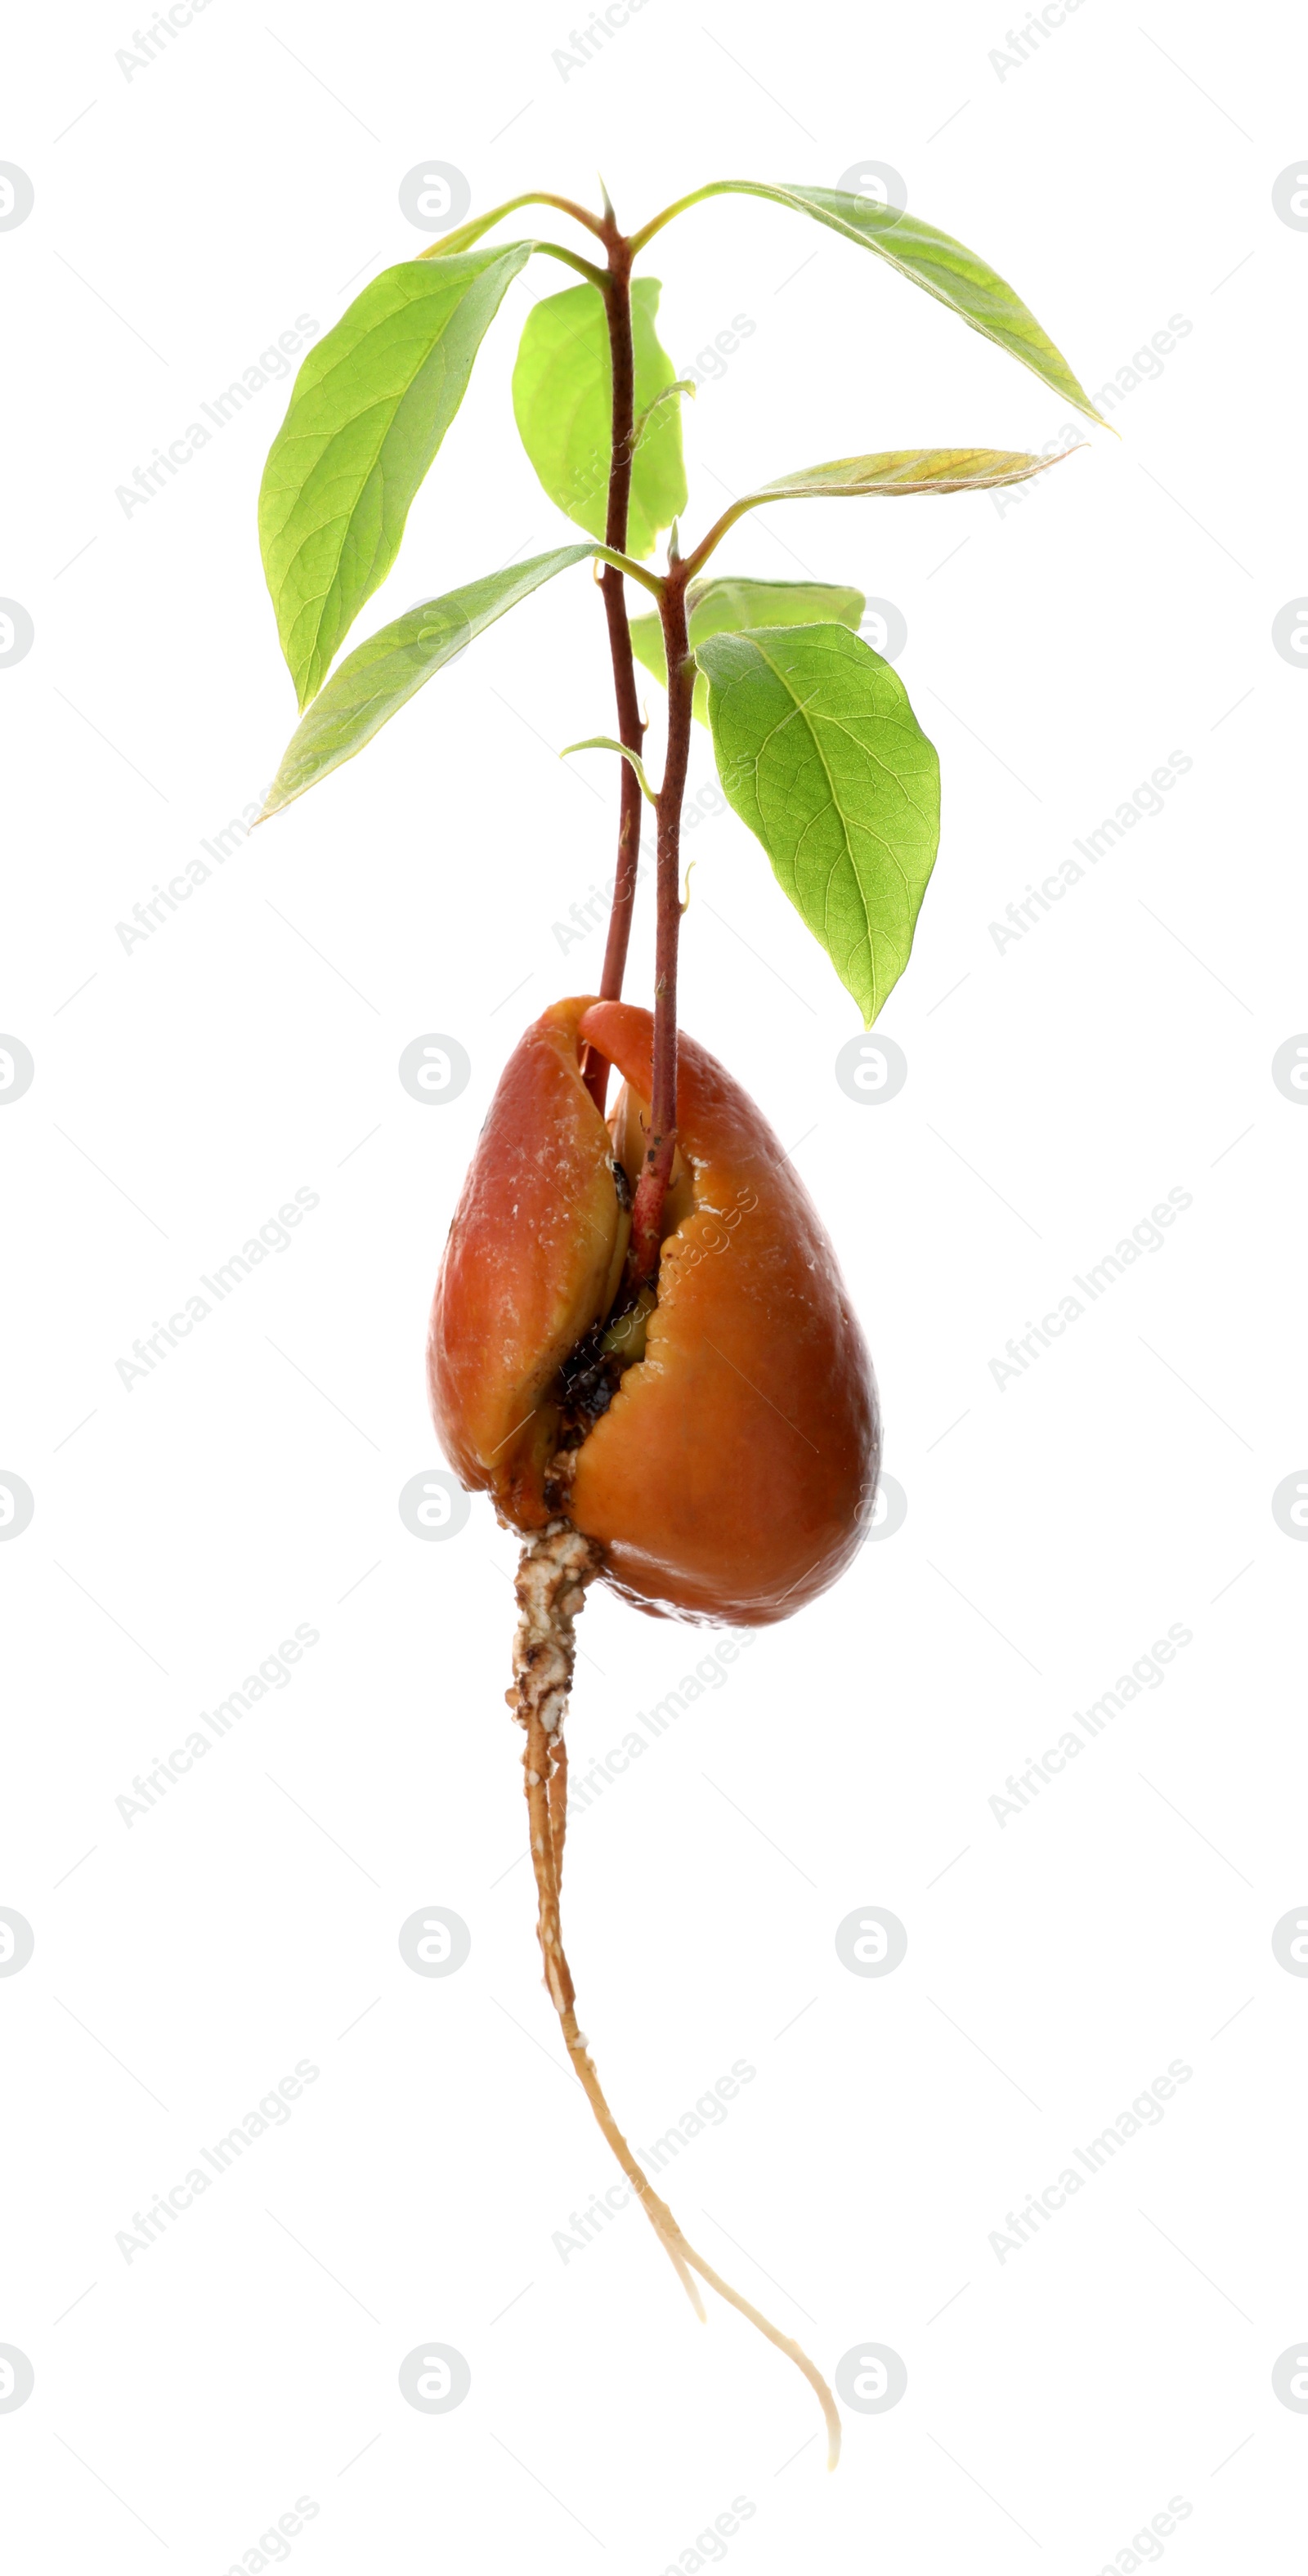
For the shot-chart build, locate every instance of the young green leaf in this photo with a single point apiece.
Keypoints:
(379, 677)
(464, 235)
(892, 475)
(931, 259)
(368, 411)
(821, 754)
(730, 606)
(563, 405)
(605, 742)
(903, 470)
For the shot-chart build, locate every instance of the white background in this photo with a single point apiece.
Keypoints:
(1057, 1962)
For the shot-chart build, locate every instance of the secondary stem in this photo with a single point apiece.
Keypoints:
(647, 1213)
(617, 305)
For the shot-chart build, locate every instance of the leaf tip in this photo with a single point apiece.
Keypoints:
(1085, 405)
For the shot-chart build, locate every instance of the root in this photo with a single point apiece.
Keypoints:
(553, 1573)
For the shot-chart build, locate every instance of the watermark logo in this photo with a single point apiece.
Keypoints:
(871, 2378)
(876, 181)
(434, 196)
(17, 1941)
(871, 1069)
(434, 1069)
(1290, 1942)
(1289, 633)
(1290, 196)
(17, 2378)
(889, 1511)
(871, 1942)
(434, 1506)
(17, 633)
(434, 2378)
(1289, 1068)
(434, 1942)
(17, 1504)
(17, 196)
(16, 1069)
(884, 627)
(1289, 1504)
(1290, 2378)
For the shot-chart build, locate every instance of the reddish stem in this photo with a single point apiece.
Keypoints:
(617, 303)
(647, 1213)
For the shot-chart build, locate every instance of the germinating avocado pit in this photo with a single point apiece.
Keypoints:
(640, 1348)
(715, 1433)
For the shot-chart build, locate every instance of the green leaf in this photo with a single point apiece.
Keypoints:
(605, 742)
(900, 471)
(719, 607)
(563, 405)
(931, 259)
(819, 751)
(380, 676)
(368, 411)
(464, 235)
(893, 475)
